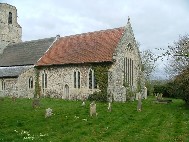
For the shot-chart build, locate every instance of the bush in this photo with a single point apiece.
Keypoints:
(182, 85)
(98, 96)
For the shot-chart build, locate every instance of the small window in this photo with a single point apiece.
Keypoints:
(78, 79)
(90, 79)
(30, 82)
(10, 18)
(75, 79)
(44, 80)
(3, 85)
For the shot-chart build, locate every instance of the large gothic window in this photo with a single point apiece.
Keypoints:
(128, 71)
(10, 18)
(31, 82)
(77, 79)
(92, 80)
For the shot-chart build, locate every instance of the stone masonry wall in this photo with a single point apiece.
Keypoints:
(116, 87)
(22, 84)
(18, 87)
(10, 87)
(9, 33)
(58, 78)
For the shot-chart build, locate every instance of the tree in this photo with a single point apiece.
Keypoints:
(177, 56)
(148, 66)
(178, 68)
(182, 85)
(148, 63)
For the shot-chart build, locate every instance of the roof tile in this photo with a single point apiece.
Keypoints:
(83, 48)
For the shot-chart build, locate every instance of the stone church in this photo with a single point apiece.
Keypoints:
(67, 67)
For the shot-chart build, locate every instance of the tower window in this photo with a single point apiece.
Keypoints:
(10, 18)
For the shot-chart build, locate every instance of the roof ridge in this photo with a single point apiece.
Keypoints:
(35, 40)
(85, 33)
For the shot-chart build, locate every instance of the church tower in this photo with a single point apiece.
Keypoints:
(10, 30)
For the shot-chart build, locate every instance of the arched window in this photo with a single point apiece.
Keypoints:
(77, 79)
(44, 80)
(10, 18)
(31, 82)
(3, 84)
(92, 80)
(128, 71)
(66, 91)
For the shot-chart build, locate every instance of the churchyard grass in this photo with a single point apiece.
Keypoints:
(71, 121)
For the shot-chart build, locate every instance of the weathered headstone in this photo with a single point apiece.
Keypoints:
(137, 95)
(156, 96)
(83, 103)
(160, 96)
(13, 98)
(48, 112)
(109, 107)
(145, 93)
(35, 103)
(139, 105)
(93, 109)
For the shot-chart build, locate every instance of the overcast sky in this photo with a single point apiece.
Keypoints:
(156, 23)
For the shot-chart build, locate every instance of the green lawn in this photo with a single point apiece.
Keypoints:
(71, 122)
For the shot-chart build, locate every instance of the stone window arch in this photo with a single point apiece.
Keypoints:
(31, 82)
(44, 80)
(10, 18)
(77, 79)
(3, 85)
(128, 65)
(92, 80)
(66, 91)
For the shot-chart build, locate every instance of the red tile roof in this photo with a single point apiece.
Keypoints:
(83, 48)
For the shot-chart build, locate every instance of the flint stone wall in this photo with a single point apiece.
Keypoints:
(22, 84)
(60, 77)
(116, 89)
(9, 33)
(10, 87)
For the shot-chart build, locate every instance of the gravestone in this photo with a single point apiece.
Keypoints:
(109, 107)
(48, 113)
(93, 109)
(139, 105)
(13, 98)
(83, 104)
(35, 103)
(145, 93)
